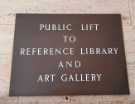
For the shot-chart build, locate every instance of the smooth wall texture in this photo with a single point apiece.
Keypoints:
(8, 9)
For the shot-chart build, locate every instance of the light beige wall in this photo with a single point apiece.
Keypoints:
(8, 9)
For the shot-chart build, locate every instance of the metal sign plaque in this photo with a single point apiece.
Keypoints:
(68, 54)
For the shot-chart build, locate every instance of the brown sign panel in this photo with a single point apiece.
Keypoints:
(68, 54)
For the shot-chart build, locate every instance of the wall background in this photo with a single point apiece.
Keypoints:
(8, 9)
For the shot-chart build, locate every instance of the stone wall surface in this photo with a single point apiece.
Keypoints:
(8, 9)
